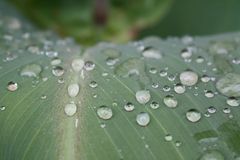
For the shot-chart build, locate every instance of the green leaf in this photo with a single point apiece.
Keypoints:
(44, 115)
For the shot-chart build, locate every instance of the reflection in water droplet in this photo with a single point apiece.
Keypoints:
(77, 64)
(166, 88)
(12, 86)
(205, 78)
(70, 109)
(154, 105)
(129, 107)
(51, 54)
(73, 90)
(188, 78)
(209, 94)
(143, 119)
(168, 137)
(104, 112)
(212, 155)
(89, 65)
(143, 96)
(171, 77)
(31, 70)
(93, 84)
(57, 71)
(155, 85)
(163, 73)
(170, 101)
(211, 109)
(232, 101)
(179, 88)
(226, 110)
(193, 115)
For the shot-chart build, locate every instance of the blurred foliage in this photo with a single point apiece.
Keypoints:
(77, 18)
(198, 17)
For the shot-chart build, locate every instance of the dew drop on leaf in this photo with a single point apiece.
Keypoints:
(104, 112)
(211, 109)
(58, 71)
(129, 107)
(212, 155)
(232, 101)
(73, 89)
(170, 101)
(56, 61)
(12, 86)
(93, 84)
(188, 78)
(168, 137)
(70, 109)
(143, 96)
(143, 119)
(209, 94)
(193, 115)
(77, 64)
(31, 70)
(179, 88)
(153, 53)
(89, 65)
(154, 105)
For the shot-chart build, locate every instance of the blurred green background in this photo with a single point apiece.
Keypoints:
(90, 21)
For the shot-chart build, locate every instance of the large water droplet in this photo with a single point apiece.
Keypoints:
(170, 101)
(229, 85)
(31, 70)
(77, 64)
(188, 78)
(150, 52)
(193, 115)
(73, 90)
(12, 86)
(143, 96)
(212, 155)
(70, 109)
(58, 71)
(143, 119)
(104, 112)
(232, 101)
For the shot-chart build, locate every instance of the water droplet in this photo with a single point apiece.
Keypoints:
(226, 110)
(188, 78)
(89, 65)
(178, 143)
(163, 73)
(232, 101)
(211, 109)
(102, 125)
(31, 70)
(154, 105)
(61, 81)
(179, 88)
(200, 59)
(51, 54)
(2, 108)
(56, 61)
(212, 155)
(104, 112)
(193, 115)
(43, 96)
(209, 94)
(143, 119)
(168, 137)
(70, 109)
(171, 77)
(12, 86)
(155, 85)
(111, 61)
(93, 84)
(77, 64)
(153, 70)
(229, 85)
(73, 90)
(170, 101)
(143, 96)
(166, 88)
(129, 107)
(186, 53)
(205, 78)
(57, 71)
(150, 52)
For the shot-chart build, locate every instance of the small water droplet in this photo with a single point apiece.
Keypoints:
(155, 85)
(77, 64)
(168, 137)
(104, 112)
(232, 101)
(2, 108)
(205, 78)
(211, 109)
(154, 105)
(12, 86)
(153, 70)
(170, 101)
(193, 115)
(163, 73)
(143, 119)
(73, 89)
(43, 96)
(200, 59)
(143, 96)
(93, 84)
(111, 61)
(70, 109)
(56, 61)
(186, 53)
(179, 88)
(31, 70)
(171, 77)
(102, 125)
(209, 94)
(166, 88)
(61, 81)
(226, 110)
(57, 71)
(89, 65)
(129, 107)
(188, 78)
(178, 143)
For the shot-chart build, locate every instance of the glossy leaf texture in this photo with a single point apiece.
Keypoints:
(155, 99)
